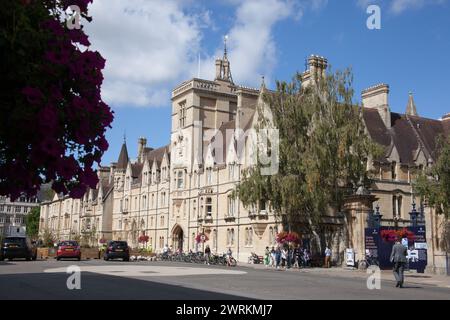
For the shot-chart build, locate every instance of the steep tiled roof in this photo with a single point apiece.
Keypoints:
(156, 154)
(123, 157)
(407, 134)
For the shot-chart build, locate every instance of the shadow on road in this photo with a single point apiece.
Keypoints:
(43, 286)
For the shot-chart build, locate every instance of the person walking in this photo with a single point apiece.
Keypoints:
(327, 257)
(278, 257)
(283, 257)
(305, 258)
(229, 256)
(207, 254)
(267, 257)
(272, 257)
(297, 257)
(398, 257)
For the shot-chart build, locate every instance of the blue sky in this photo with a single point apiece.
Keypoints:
(153, 45)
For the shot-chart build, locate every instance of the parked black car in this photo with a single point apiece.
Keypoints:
(18, 247)
(117, 250)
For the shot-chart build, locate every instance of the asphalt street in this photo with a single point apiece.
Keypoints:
(182, 281)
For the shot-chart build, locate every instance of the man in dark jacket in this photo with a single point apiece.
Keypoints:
(398, 257)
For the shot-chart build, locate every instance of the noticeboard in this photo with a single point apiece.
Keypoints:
(380, 248)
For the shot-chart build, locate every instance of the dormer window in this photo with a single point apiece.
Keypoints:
(394, 170)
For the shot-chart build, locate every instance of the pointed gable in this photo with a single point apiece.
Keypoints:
(122, 162)
(411, 109)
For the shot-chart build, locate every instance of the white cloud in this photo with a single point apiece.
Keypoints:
(148, 45)
(252, 47)
(399, 6)
(151, 46)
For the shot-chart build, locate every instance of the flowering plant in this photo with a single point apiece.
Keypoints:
(53, 120)
(143, 239)
(392, 235)
(284, 237)
(198, 238)
(102, 240)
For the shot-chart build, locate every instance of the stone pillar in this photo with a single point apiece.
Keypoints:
(357, 208)
(436, 241)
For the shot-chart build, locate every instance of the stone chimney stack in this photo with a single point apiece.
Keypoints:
(317, 67)
(218, 69)
(142, 143)
(377, 97)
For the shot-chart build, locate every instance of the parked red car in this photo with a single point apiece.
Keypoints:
(68, 249)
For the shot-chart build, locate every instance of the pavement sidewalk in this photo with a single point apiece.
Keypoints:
(410, 276)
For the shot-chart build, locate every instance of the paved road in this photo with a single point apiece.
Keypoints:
(168, 280)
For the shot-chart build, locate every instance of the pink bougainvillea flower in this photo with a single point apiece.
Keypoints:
(33, 95)
(59, 187)
(59, 56)
(67, 167)
(77, 191)
(77, 35)
(53, 26)
(102, 144)
(89, 178)
(51, 147)
(47, 117)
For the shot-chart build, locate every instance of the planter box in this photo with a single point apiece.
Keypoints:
(89, 253)
(45, 253)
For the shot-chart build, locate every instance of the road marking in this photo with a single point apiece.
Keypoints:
(148, 271)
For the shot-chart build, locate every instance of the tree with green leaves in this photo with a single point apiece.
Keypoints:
(32, 222)
(323, 153)
(433, 184)
(433, 187)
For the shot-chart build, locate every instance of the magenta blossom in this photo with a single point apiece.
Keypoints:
(33, 95)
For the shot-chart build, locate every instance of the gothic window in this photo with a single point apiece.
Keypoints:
(262, 205)
(394, 170)
(208, 206)
(194, 209)
(394, 206)
(399, 206)
(231, 206)
(180, 180)
(182, 114)
(214, 238)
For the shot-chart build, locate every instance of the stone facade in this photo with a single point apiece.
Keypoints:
(183, 189)
(13, 215)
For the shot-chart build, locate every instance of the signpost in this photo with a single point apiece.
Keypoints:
(350, 257)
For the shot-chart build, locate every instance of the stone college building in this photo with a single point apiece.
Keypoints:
(176, 192)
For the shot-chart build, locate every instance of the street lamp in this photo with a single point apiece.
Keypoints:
(414, 215)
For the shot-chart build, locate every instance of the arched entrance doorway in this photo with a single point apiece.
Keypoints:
(177, 238)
